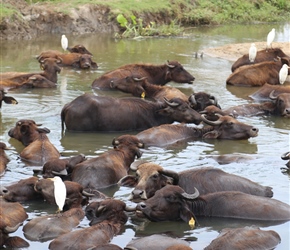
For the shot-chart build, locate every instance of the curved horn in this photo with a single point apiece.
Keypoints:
(136, 79)
(8, 229)
(169, 65)
(130, 209)
(85, 193)
(286, 156)
(212, 123)
(190, 196)
(171, 104)
(174, 175)
(271, 95)
(134, 166)
(192, 101)
(214, 100)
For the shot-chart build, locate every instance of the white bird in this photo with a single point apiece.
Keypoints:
(64, 42)
(270, 38)
(283, 73)
(59, 192)
(252, 52)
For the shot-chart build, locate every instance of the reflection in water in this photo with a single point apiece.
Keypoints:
(44, 106)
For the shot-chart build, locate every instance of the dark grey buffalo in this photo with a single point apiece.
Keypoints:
(172, 203)
(100, 113)
(151, 177)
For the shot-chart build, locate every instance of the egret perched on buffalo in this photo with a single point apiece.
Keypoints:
(270, 38)
(283, 73)
(59, 192)
(64, 42)
(252, 52)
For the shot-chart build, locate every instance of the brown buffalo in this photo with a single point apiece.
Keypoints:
(50, 69)
(6, 99)
(49, 227)
(173, 203)
(257, 74)
(263, 93)
(155, 74)
(262, 55)
(23, 190)
(245, 238)
(59, 167)
(108, 168)
(12, 215)
(286, 156)
(75, 60)
(226, 127)
(124, 114)
(139, 86)
(79, 48)
(279, 106)
(160, 242)
(74, 193)
(108, 218)
(151, 177)
(3, 158)
(38, 149)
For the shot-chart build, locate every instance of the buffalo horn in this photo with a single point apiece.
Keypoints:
(192, 101)
(134, 166)
(271, 95)
(169, 65)
(190, 196)
(136, 79)
(171, 174)
(171, 104)
(285, 156)
(8, 229)
(212, 123)
(214, 100)
(87, 194)
(62, 172)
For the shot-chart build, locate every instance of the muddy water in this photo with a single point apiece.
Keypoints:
(44, 106)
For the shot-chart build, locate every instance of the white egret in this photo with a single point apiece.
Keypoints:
(64, 42)
(283, 73)
(59, 192)
(252, 52)
(270, 38)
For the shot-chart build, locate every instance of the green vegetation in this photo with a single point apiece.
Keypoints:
(7, 10)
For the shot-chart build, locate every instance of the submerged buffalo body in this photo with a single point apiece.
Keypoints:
(98, 113)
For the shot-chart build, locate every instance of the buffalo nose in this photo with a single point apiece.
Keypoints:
(287, 111)
(137, 193)
(255, 130)
(141, 206)
(4, 190)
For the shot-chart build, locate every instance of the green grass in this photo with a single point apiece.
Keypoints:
(7, 10)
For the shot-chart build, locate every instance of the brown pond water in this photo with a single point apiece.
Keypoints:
(44, 106)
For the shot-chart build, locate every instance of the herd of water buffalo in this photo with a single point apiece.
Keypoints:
(161, 194)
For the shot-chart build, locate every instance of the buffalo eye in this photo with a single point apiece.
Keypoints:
(171, 198)
(155, 176)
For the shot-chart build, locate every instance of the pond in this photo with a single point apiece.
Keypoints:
(44, 106)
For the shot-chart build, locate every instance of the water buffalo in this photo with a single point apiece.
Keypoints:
(74, 193)
(75, 60)
(139, 86)
(22, 190)
(160, 242)
(245, 238)
(6, 99)
(60, 166)
(107, 221)
(3, 158)
(226, 127)
(257, 74)
(38, 149)
(263, 93)
(79, 48)
(286, 156)
(262, 55)
(155, 74)
(173, 203)
(12, 215)
(50, 69)
(108, 168)
(48, 227)
(101, 113)
(151, 177)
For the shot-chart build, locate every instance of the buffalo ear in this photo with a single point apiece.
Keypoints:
(43, 130)
(9, 100)
(128, 181)
(185, 213)
(211, 135)
(16, 242)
